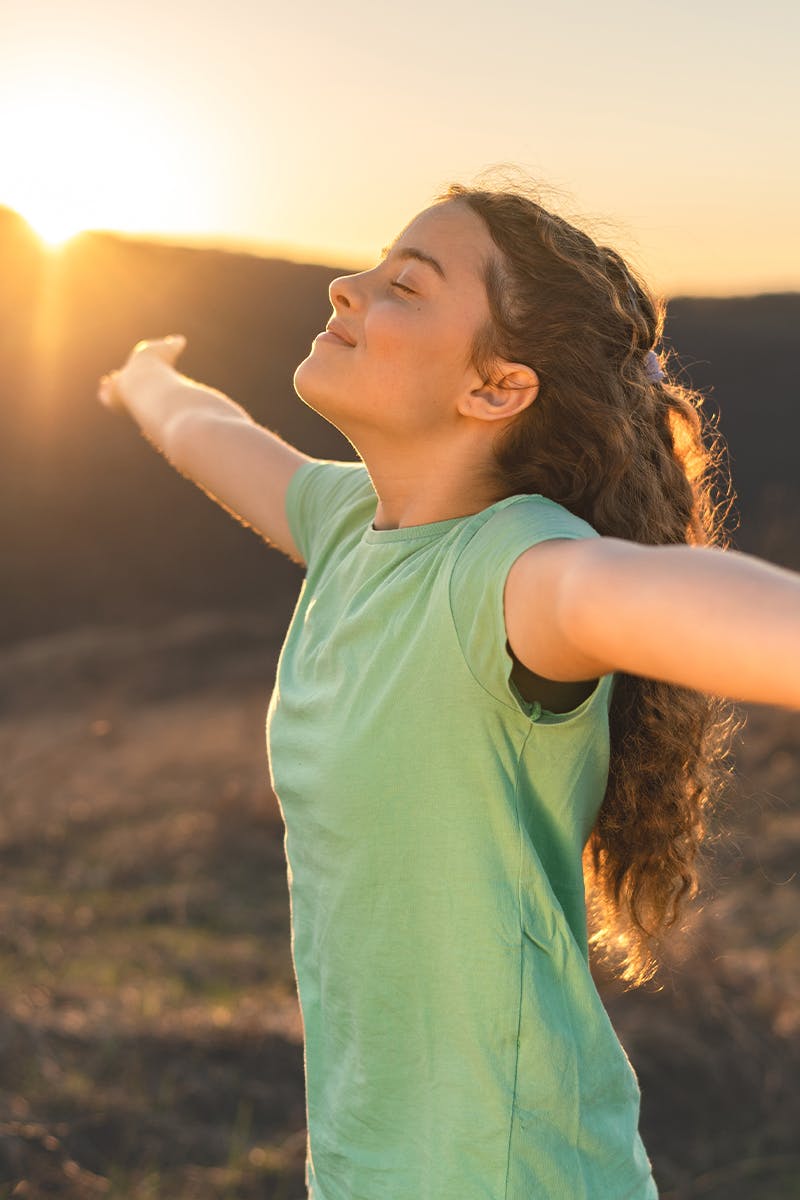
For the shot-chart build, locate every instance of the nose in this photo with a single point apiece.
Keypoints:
(343, 291)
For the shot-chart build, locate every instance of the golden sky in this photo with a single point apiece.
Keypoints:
(318, 130)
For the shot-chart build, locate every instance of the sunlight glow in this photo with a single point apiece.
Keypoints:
(78, 157)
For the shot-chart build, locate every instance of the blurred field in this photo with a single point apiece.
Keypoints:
(150, 1036)
(150, 1040)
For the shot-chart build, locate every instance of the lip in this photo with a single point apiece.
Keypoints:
(332, 339)
(339, 332)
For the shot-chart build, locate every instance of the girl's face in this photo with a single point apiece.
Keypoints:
(411, 321)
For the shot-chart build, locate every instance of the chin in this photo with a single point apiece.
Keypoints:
(310, 384)
(304, 378)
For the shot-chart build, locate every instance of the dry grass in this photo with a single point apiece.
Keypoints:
(150, 1039)
(716, 1048)
(150, 1036)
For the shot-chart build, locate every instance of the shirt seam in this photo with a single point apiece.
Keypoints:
(518, 816)
(411, 532)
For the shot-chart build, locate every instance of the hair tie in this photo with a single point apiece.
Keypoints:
(652, 366)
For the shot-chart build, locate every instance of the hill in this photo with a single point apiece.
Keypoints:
(98, 528)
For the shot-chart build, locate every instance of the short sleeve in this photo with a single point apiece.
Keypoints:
(321, 499)
(478, 581)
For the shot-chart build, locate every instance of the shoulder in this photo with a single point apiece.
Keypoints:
(547, 586)
(502, 591)
(324, 500)
(511, 527)
(332, 475)
(556, 550)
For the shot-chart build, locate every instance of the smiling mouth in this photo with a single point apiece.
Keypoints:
(335, 327)
(328, 335)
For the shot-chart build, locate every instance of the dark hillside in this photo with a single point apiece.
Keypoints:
(743, 353)
(97, 527)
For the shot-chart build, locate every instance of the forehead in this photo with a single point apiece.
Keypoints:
(454, 234)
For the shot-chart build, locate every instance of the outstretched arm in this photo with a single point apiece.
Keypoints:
(719, 621)
(208, 438)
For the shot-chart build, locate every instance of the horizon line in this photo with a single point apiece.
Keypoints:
(317, 256)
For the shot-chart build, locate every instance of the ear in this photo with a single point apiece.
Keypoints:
(515, 387)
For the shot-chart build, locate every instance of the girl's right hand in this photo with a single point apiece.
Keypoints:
(113, 388)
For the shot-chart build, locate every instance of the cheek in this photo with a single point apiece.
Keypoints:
(388, 335)
(410, 342)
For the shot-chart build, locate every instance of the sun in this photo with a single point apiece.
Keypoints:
(78, 156)
(54, 229)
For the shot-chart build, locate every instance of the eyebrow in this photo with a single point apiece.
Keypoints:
(420, 255)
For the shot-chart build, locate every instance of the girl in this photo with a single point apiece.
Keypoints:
(502, 678)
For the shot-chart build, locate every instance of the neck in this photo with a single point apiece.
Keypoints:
(419, 489)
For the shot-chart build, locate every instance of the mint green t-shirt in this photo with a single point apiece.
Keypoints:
(456, 1047)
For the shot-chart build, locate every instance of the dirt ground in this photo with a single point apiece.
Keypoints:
(150, 1038)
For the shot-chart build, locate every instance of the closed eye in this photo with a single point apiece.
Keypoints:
(403, 287)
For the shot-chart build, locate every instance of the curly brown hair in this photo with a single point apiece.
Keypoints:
(637, 459)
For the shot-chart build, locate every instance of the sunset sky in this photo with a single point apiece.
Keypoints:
(318, 130)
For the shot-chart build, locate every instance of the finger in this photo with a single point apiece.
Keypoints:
(173, 345)
(167, 348)
(106, 392)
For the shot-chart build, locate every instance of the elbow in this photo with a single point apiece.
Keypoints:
(185, 436)
(176, 435)
(193, 428)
